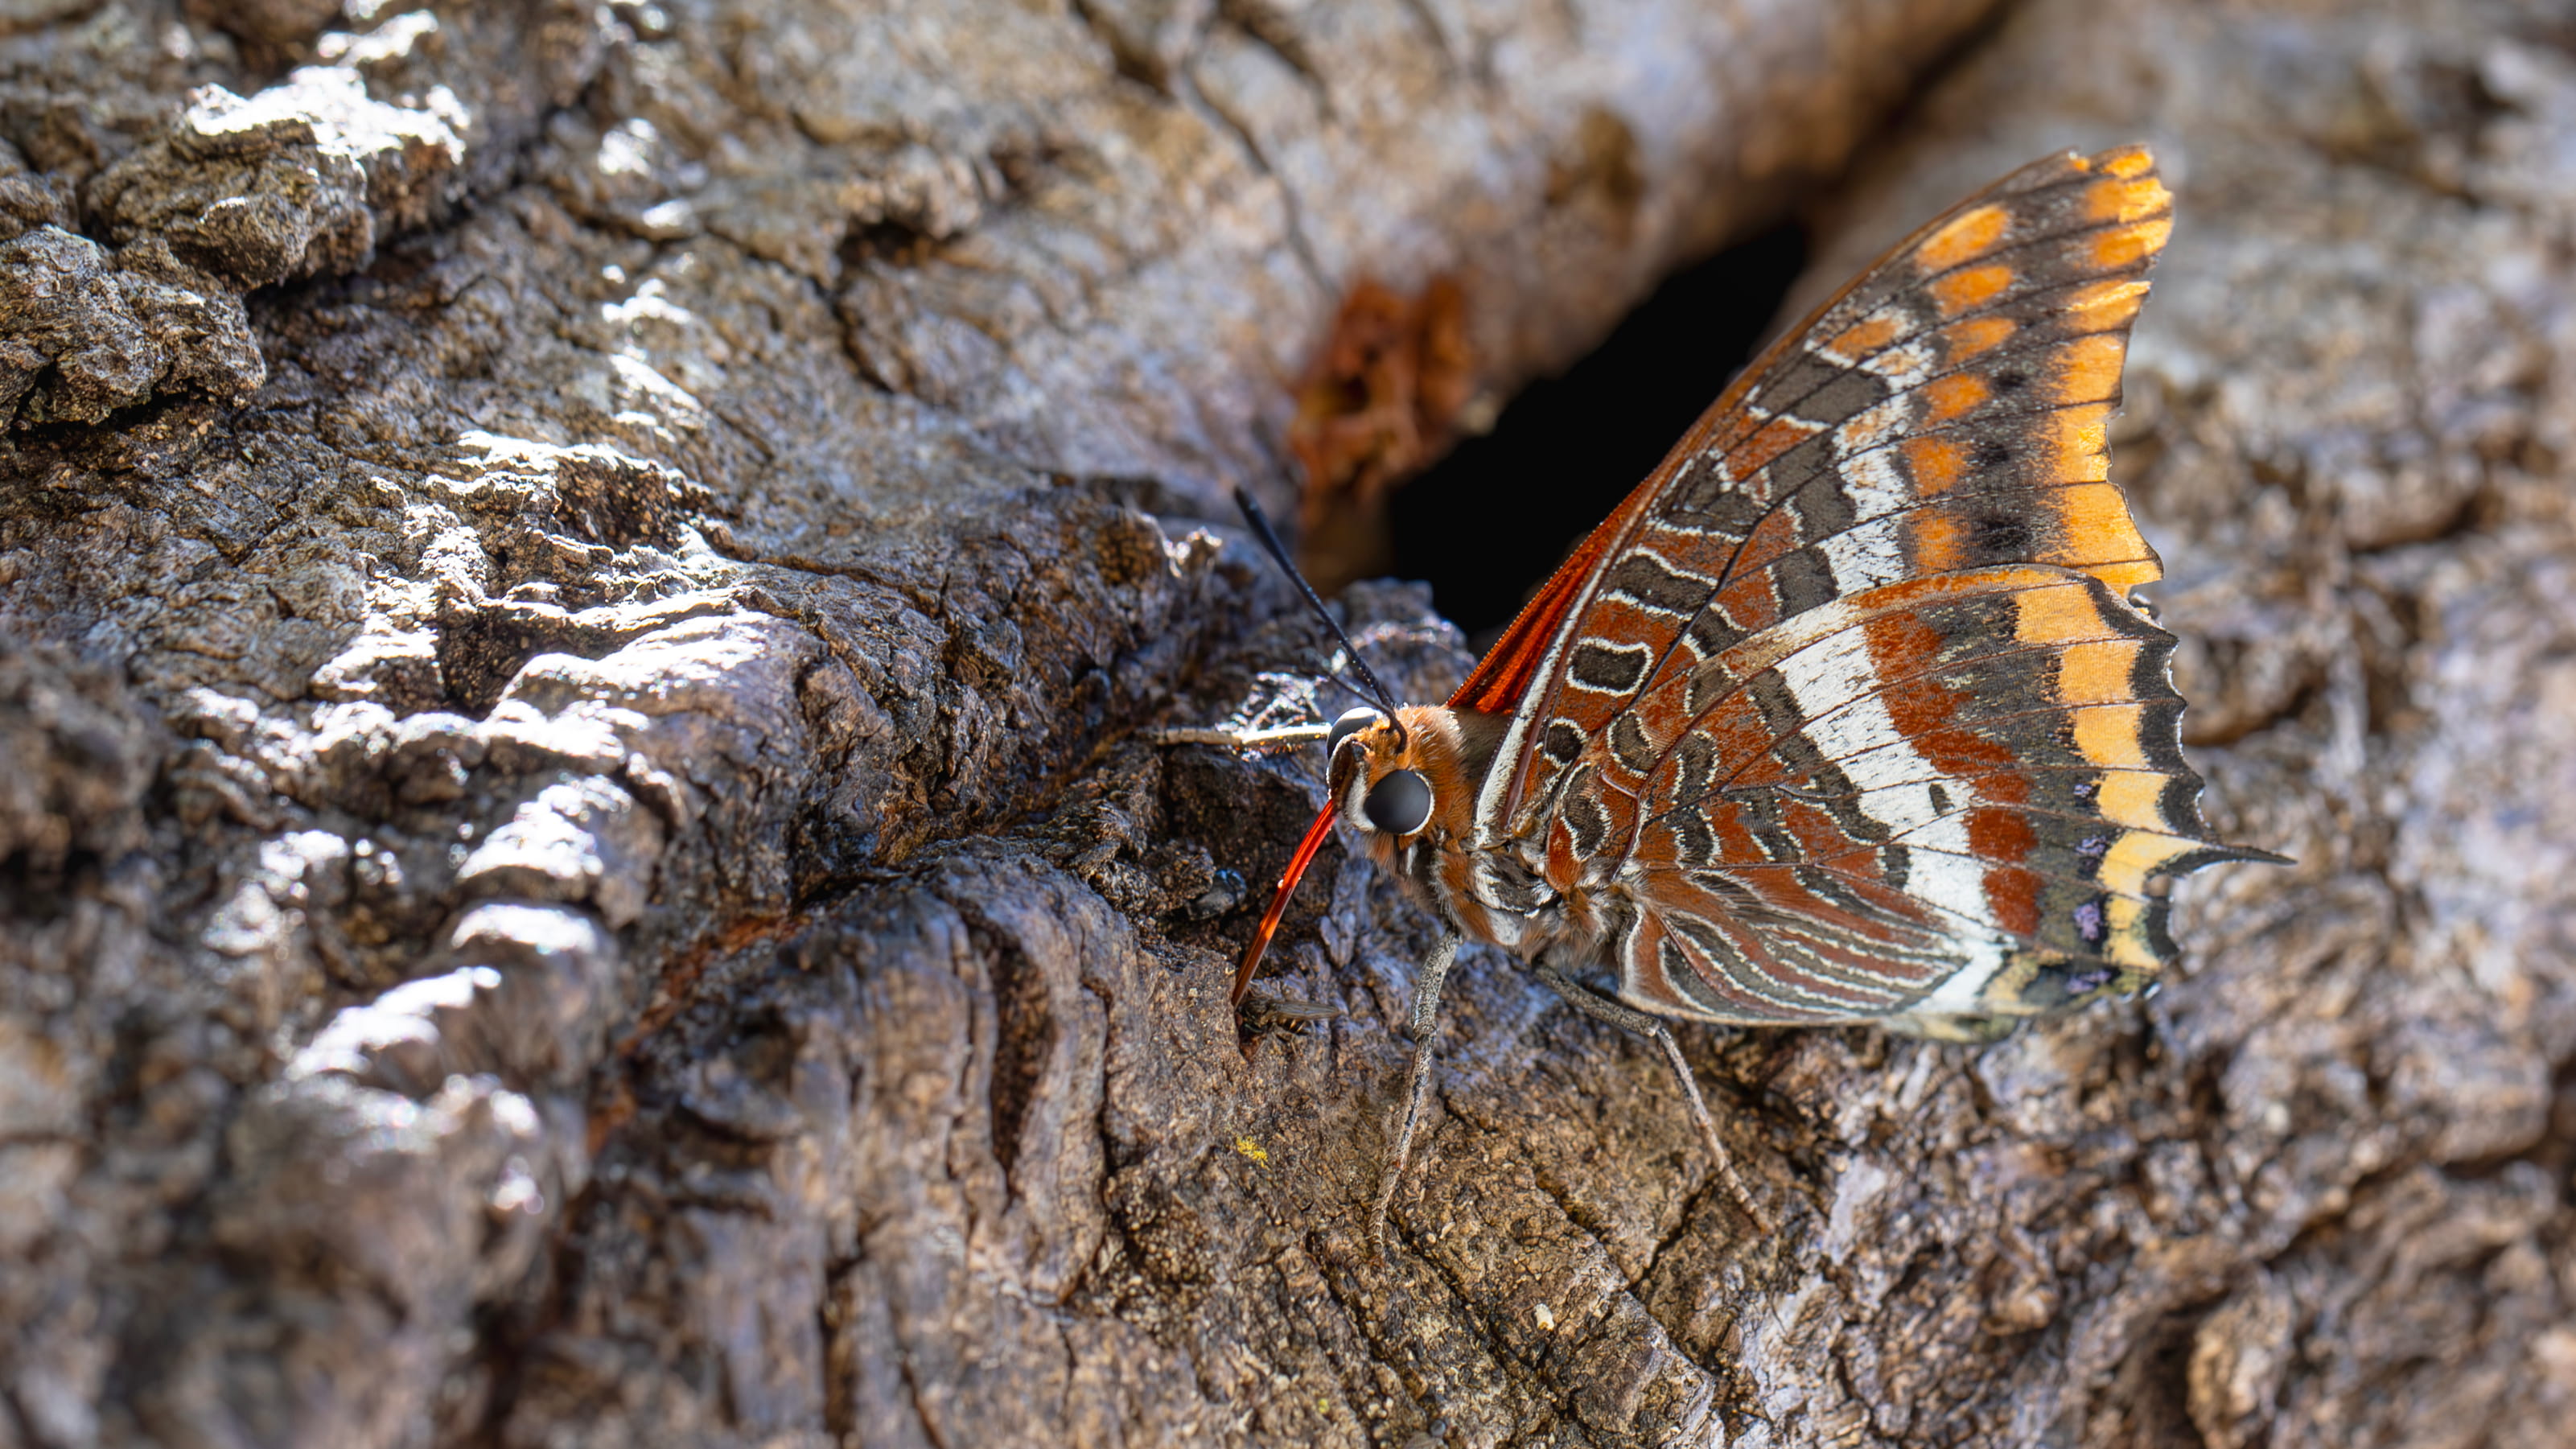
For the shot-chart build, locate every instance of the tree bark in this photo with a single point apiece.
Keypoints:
(578, 590)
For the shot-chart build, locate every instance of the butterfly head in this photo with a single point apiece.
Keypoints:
(1399, 778)
(1394, 772)
(1380, 775)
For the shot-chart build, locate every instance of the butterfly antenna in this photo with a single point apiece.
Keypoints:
(1269, 538)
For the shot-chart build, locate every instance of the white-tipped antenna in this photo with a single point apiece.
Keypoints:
(1269, 538)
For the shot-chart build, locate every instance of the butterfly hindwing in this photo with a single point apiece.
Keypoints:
(1953, 779)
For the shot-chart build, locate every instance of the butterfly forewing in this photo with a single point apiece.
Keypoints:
(1844, 702)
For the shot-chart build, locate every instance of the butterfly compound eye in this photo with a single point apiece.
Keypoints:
(1351, 722)
(1400, 804)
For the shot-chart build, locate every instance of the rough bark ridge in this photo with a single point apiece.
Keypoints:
(577, 584)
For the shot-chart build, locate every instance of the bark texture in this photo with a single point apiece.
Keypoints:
(576, 587)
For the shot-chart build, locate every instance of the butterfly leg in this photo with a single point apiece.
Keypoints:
(1427, 982)
(1250, 741)
(1602, 1009)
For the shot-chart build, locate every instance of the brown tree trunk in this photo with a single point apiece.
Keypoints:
(578, 586)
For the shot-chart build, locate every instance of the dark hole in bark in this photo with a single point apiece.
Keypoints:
(1487, 525)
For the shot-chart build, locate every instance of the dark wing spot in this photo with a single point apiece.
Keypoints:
(1694, 768)
(1562, 742)
(1608, 668)
(1805, 581)
(1629, 744)
(2002, 536)
(1584, 817)
(1823, 509)
(1702, 499)
(1842, 395)
(1645, 579)
(1712, 633)
(1777, 703)
(1694, 844)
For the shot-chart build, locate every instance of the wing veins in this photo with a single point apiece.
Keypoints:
(1666, 754)
(1986, 308)
(1857, 700)
(1575, 612)
(1735, 556)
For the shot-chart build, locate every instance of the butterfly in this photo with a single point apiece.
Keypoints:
(1847, 713)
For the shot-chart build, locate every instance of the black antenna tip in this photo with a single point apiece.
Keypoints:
(1261, 530)
(1269, 539)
